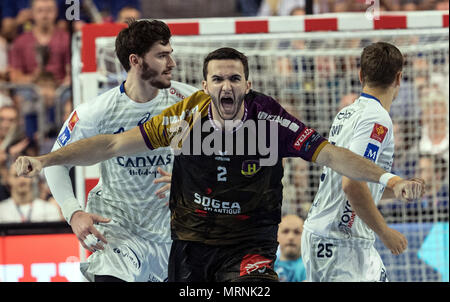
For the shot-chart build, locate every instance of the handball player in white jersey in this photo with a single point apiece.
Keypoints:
(338, 238)
(126, 222)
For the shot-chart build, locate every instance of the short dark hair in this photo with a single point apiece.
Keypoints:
(139, 37)
(225, 53)
(380, 63)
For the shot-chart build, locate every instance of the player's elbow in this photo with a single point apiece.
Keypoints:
(325, 156)
(346, 185)
(349, 185)
(113, 145)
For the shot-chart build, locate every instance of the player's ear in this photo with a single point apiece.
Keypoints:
(134, 60)
(205, 87)
(398, 78)
(360, 76)
(249, 86)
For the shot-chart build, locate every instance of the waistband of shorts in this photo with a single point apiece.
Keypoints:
(360, 242)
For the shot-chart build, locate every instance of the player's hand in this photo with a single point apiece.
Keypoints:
(393, 240)
(82, 224)
(27, 166)
(409, 190)
(165, 178)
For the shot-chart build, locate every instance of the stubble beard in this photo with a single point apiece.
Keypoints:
(150, 75)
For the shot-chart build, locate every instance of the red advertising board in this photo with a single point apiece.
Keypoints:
(39, 258)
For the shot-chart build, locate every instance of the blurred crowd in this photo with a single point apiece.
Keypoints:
(36, 98)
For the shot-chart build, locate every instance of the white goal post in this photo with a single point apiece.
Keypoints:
(310, 65)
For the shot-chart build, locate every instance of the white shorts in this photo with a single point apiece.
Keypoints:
(127, 257)
(334, 260)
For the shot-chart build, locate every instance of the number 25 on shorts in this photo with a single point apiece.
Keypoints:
(324, 250)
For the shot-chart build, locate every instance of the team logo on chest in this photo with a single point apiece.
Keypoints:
(250, 167)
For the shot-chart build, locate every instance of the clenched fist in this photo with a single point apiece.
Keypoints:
(409, 190)
(28, 166)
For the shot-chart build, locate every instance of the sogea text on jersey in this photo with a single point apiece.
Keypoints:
(224, 207)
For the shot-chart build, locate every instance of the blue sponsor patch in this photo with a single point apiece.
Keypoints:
(371, 152)
(64, 137)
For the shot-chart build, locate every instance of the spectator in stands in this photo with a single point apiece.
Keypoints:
(12, 136)
(433, 169)
(16, 17)
(289, 265)
(3, 59)
(409, 5)
(435, 129)
(406, 148)
(46, 87)
(44, 47)
(128, 13)
(279, 7)
(298, 11)
(442, 5)
(23, 206)
(9, 119)
(297, 194)
(249, 7)
(4, 188)
(5, 97)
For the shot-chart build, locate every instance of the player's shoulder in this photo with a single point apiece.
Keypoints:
(261, 102)
(373, 111)
(196, 102)
(181, 90)
(101, 103)
(377, 113)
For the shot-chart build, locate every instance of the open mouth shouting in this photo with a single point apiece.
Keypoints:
(228, 105)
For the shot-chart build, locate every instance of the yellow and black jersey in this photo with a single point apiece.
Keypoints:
(221, 191)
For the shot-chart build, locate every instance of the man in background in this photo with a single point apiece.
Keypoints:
(289, 265)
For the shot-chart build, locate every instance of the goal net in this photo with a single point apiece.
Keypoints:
(310, 65)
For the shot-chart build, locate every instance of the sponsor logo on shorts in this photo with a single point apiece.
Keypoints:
(129, 255)
(378, 132)
(254, 263)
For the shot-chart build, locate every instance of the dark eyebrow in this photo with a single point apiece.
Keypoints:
(214, 76)
(165, 52)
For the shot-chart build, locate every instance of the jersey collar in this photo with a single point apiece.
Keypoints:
(122, 87)
(366, 95)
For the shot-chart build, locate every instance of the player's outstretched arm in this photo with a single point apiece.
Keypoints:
(85, 152)
(356, 167)
(360, 198)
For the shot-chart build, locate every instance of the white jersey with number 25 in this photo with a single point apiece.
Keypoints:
(365, 128)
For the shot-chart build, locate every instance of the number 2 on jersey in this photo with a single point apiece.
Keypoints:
(221, 173)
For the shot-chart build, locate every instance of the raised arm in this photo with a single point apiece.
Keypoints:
(356, 167)
(85, 152)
